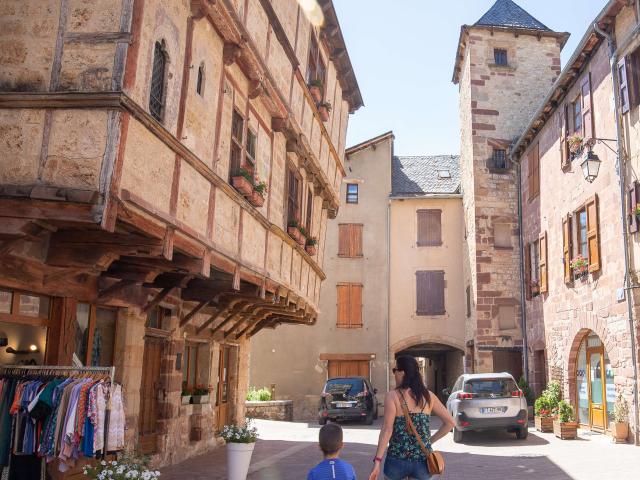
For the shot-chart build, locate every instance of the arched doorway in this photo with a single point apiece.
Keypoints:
(594, 384)
(441, 364)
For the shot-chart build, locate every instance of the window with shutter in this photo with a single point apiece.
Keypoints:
(588, 124)
(350, 240)
(430, 292)
(237, 135)
(309, 211)
(593, 236)
(429, 228)
(566, 247)
(633, 199)
(542, 259)
(343, 305)
(349, 305)
(633, 78)
(623, 85)
(576, 115)
(527, 272)
(294, 193)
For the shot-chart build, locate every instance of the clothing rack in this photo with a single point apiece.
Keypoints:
(57, 370)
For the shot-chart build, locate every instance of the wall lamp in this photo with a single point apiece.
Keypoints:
(591, 163)
(32, 349)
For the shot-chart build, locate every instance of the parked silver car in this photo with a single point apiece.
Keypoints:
(487, 401)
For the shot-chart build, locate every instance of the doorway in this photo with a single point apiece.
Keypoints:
(349, 368)
(227, 379)
(149, 391)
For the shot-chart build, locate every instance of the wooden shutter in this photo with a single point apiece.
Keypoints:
(343, 305)
(564, 131)
(423, 304)
(536, 169)
(423, 227)
(430, 293)
(438, 292)
(355, 305)
(588, 125)
(566, 247)
(344, 239)
(593, 237)
(632, 201)
(355, 240)
(429, 227)
(623, 85)
(542, 262)
(527, 270)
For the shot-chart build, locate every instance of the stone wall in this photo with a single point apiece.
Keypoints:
(281, 410)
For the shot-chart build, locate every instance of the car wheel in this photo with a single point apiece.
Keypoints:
(458, 435)
(522, 433)
(368, 420)
(322, 421)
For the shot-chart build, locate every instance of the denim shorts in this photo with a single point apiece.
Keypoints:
(399, 469)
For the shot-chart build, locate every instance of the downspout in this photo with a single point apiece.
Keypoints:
(523, 306)
(613, 58)
(388, 347)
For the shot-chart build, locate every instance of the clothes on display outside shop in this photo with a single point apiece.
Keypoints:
(59, 417)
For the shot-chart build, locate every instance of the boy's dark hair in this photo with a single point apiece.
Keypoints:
(330, 438)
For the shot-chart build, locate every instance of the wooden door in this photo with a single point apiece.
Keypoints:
(597, 394)
(149, 391)
(348, 368)
(222, 397)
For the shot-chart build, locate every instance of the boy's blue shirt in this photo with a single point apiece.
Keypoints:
(331, 469)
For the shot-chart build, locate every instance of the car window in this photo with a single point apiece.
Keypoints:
(488, 387)
(345, 386)
(458, 385)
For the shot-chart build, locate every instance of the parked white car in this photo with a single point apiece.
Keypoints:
(487, 401)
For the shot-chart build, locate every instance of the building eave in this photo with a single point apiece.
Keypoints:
(369, 143)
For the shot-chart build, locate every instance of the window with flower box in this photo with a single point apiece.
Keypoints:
(316, 69)
(250, 152)
(237, 135)
(195, 367)
(294, 195)
(581, 241)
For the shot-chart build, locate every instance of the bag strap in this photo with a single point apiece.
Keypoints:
(412, 427)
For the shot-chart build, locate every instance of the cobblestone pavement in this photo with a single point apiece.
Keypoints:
(286, 451)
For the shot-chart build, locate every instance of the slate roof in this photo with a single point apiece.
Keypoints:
(417, 176)
(506, 13)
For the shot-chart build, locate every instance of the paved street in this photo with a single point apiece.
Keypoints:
(287, 450)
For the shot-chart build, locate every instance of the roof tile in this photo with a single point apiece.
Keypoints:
(506, 13)
(417, 176)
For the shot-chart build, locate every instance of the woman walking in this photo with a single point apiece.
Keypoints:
(405, 458)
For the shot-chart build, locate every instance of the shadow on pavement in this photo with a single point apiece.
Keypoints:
(497, 438)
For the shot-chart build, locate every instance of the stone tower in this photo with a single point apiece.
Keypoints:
(505, 65)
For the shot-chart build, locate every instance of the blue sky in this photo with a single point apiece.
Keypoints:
(403, 51)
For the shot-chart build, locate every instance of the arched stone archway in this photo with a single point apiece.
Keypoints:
(426, 338)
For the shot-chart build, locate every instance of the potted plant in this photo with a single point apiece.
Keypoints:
(620, 424)
(200, 394)
(310, 246)
(638, 210)
(564, 426)
(302, 240)
(243, 182)
(575, 144)
(324, 108)
(315, 89)
(543, 415)
(534, 287)
(257, 196)
(293, 230)
(185, 399)
(240, 444)
(580, 266)
(124, 468)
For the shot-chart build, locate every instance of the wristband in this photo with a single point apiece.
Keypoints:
(377, 459)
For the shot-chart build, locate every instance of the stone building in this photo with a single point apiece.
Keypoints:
(581, 302)
(505, 64)
(136, 137)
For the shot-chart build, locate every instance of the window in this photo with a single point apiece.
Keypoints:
(352, 193)
(250, 155)
(534, 171)
(576, 110)
(195, 366)
(468, 301)
(507, 317)
(350, 240)
(502, 235)
(500, 56)
(200, 81)
(535, 267)
(18, 307)
(581, 234)
(316, 69)
(293, 196)
(237, 133)
(349, 305)
(624, 85)
(309, 211)
(430, 293)
(95, 335)
(429, 228)
(156, 95)
(159, 318)
(631, 66)
(499, 159)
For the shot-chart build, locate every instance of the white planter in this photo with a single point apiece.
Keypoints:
(238, 460)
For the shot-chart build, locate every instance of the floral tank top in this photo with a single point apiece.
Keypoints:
(403, 444)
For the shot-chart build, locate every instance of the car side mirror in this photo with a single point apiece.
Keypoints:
(446, 392)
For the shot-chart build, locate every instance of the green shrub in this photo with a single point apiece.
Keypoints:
(262, 395)
(543, 407)
(526, 389)
(565, 412)
(553, 393)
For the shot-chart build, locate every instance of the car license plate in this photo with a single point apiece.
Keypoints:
(343, 404)
(493, 410)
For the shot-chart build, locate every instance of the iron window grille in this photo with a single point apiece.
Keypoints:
(500, 57)
(156, 96)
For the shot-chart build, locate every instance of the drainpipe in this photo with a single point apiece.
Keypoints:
(388, 347)
(523, 309)
(613, 58)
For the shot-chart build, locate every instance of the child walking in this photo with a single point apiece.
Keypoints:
(331, 467)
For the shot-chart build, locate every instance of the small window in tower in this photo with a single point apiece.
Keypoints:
(499, 159)
(500, 56)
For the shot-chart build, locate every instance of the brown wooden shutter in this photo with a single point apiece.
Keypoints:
(355, 240)
(564, 145)
(343, 305)
(437, 284)
(588, 124)
(423, 227)
(566, 247)
(632, 201)
(355, 305)
(527, 270)
(542, 259)
(344, 239)
(593, 236)
(623, 85)
(423, 301)
(429, 227)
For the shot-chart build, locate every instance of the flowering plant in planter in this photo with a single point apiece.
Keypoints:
(303, 235)
(294, 231)
(261, 188)
(239, 434)
(310, 246)
(575, 143)
(122, 469)
(243, 182)
(324, 108)
(579, 265)
(202, 390)
(315, 89)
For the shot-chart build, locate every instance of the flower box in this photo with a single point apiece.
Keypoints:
(198, 399)
(324, 113)
(294, 233)
(301, 239)
(544, 424)
(243, 185)
(565, 430)
(316, 93)
(256, 199)
(185, 399)
(310, 249)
